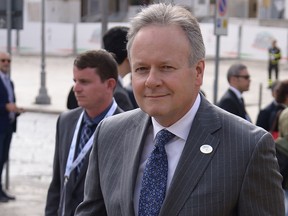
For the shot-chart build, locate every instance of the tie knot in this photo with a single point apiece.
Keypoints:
(88, 122)
(163, 137)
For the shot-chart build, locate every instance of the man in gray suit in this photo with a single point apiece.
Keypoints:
(218, 163)
(95, 76)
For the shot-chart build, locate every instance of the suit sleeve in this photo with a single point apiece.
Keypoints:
(93, 203)
(261, 191)
(262, 120)
(54, 191)
(229, 106)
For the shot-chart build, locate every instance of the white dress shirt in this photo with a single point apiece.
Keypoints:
(173, 148)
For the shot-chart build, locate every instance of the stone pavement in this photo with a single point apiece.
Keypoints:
(32, 147)
(30, 164)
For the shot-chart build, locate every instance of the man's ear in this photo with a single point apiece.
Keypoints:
(200, 67)
(111, 83)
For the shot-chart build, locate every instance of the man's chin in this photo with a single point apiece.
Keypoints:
(154, 111)
(81, 104)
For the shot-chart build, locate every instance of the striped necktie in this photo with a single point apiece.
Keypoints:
(85, 136)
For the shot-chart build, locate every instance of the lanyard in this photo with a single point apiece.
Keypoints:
(72, 164)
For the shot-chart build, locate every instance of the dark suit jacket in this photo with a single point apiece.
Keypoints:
(267, 115)
(71, 100)
(232, 104)
(66, 125)
(239, 177)
(122, 98)
(4, 114)
(131, 96)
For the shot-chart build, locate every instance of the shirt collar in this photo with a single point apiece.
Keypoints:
(236, 91)
(99, 117)
(182, 127)
(120, 79)
(3, 75)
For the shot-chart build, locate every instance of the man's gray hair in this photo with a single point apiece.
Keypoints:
(167, 14)
(235, 70)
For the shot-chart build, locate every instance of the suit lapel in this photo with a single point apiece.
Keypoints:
(131, 160)
(240, 106)
(83, 170)
(193, 162)
(68, 141)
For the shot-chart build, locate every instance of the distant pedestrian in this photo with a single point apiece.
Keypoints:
(282, 102)
(114, 41)
(273, 63)
(266, 115)
(282, 152)
(9, 112)
(239, 81)
(95, 76)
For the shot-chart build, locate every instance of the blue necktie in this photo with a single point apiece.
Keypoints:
(85, 136)
(154, 180)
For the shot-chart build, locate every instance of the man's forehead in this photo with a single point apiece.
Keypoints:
(4, 55)
(244, 71)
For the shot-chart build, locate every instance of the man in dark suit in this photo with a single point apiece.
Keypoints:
(269, 116)
(8, 115)
(95, 76)
(239, 81)
(266, 115)
(178, 154)
(114, 41)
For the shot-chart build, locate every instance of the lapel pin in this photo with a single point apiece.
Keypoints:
(206, 149)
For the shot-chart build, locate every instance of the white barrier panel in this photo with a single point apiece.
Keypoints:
(30, 39)
(58, 39)
(228, 44)
(3, 40)
(256, 40)
(89, 35)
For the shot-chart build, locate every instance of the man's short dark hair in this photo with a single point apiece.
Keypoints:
(115, 40)
(103, 62)
(282, 92)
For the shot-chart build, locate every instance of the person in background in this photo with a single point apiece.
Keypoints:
(178, 154)
(95, 76)
(282, 152)
(9, 112)
(273, 62)
(71, 100)
(266, 115)
(282, 102)
(239, 81)
(114, 41)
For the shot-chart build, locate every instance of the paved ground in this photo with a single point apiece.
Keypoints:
(33, 145)
(30, 164)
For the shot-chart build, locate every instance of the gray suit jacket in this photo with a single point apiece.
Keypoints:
(66, 125)
(240, 177)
